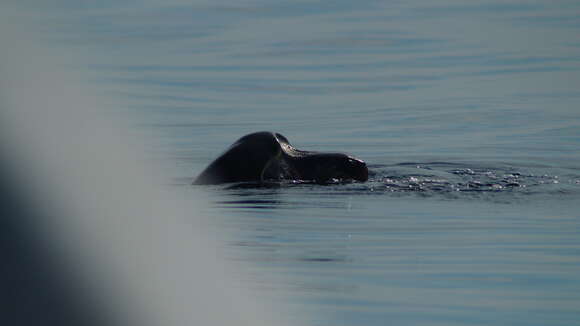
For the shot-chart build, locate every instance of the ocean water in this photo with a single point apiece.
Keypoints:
(468, 115)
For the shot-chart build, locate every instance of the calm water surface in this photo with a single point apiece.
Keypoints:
(468, 114)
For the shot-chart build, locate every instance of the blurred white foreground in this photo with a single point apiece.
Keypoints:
(89, 201)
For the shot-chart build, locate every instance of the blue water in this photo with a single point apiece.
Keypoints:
(468, 115)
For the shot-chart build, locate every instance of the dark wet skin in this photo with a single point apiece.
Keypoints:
(267, 156)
